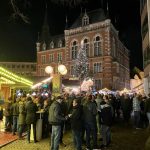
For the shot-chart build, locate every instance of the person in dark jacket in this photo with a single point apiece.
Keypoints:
(55, 119)
(7, 114)
(89, 113)
(31, 109)
(76, 124)
(106, 121)
(147, 108)
(15, 113)
(21, 118)
(45, 126)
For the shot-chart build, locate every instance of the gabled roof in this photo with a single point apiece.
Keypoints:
(56, 40)
(94, 16)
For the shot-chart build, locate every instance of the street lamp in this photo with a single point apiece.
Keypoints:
(62, 70)
(49, 69)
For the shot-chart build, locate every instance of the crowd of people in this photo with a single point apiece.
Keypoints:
(88, 116)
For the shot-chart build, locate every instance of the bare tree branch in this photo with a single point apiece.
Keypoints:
(17, 12)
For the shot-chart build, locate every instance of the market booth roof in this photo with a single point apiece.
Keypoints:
(7, 77)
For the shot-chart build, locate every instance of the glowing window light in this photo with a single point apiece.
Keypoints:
(14, 77)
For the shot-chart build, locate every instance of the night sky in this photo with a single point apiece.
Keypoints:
(18, 39)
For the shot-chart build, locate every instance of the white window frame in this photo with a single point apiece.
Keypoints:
(52, 45)
(97, 46)
(59, 56)
(87, 46)
(42, 72)
(51, 58)
(72, 72)
(85, 20)
(43, 59)
(98, 86)
(97, 67)
(44, 46)
(74, 49)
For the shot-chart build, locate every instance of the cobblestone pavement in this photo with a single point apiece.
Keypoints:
(41, 145)
(123, 138)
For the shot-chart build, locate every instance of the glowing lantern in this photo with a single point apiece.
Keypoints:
(64, 73)
(61, 68)
(49, 69)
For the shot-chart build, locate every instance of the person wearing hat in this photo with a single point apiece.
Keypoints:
(55, 119)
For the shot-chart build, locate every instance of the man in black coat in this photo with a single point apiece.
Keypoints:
(55, 119)
(31, 110)
(76, 124)
(106, 115)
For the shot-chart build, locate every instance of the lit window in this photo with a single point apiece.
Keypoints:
(98, 84)
(60, 43)
(44, 46)
(52, 44)
(51, 58)
(42, 72)
(97, 46)
(86, 46)
(59, 57)
(85, 20)
(113, 48)
(97, 67)
(74, 50)
(72, 71)
(43, 59)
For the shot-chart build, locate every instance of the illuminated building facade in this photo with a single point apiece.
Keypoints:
(145, 26)
(108, 58)
(20, 68)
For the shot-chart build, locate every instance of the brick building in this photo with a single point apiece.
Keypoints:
(108, 58)
(145, 26)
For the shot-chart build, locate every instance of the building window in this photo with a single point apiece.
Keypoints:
(74, 48)
(52, 44)
(60, 43)
(113, 47)
(51, 58)
(86, 46)
(145, 26)
(97, 67)
(117, 69)
(97, 46)
(59, 57)
(98, 84)
(147, 56)
(142, 4)
(43, 59)
(72, 71)
(85, 20)
(44, 46)
(42, 72)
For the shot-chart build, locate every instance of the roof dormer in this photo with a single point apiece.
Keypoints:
(52, 44)
(85, 19)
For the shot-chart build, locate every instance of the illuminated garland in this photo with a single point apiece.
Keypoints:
(14, 77)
